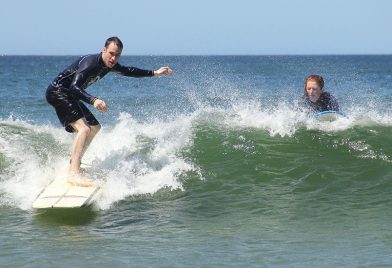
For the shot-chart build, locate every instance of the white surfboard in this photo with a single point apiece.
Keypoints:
(329, 116)
(61, 194)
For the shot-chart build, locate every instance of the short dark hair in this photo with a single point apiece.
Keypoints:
(115, 40)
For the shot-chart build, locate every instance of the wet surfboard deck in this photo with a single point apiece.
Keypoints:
(61, 194)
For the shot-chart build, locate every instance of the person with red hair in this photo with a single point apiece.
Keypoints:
(315, 98)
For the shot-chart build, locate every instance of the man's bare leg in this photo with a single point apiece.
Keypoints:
(93, 131)
(83, 138)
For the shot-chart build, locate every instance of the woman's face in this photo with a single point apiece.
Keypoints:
(313, 90)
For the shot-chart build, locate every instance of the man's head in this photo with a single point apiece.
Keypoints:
(314, 85)
(112, 51)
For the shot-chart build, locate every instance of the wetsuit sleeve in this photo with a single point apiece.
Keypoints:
(132, 71)
(76, 89)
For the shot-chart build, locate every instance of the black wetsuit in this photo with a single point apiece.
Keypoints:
(67, 91)
(326, 102)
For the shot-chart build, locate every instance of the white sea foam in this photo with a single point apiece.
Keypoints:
(25, 175)
(284, 120)
(141, 158)
(130, 158)
(134, 158)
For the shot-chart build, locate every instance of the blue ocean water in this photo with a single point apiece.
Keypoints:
(211, 167)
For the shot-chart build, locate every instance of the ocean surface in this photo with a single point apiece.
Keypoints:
(213, 166)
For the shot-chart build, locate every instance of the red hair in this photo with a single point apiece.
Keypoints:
(315, 78)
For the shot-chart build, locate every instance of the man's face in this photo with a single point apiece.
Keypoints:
(111, 55)
(313, 90)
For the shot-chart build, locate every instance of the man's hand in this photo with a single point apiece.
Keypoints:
(100, 105)
(163, 71)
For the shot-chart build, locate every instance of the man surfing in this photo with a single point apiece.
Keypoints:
(67, 94)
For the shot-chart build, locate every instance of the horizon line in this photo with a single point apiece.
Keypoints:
(200, 55)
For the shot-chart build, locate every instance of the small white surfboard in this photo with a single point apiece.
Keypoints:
(329, 116)
(61, 194)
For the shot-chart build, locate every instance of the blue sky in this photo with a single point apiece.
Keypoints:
(204, 27)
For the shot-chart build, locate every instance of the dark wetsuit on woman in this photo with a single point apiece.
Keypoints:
(326, 102)
(67, 91)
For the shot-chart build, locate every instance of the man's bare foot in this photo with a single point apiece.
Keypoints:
(79, 180)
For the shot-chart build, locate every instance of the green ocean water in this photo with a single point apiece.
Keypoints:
(212, 167)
